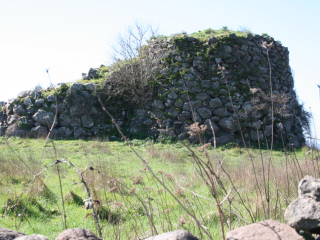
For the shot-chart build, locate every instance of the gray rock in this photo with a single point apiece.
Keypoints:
(268, 229)
(81, 133)
(26, 121)
(141, 112)
(255, 49)
(75, 123)
(223, 92)
(185, 115)
(247, 106)
(32, 237)
(23, 94)
(87, 122)
(64, 132)
(218, 60)
(197, 62)
(2, 103)
(178, 104)
(206, 83)
(227, 49)
(202, 96)
(27, 101)
(287, 126)
(38, 132)
(76, 110)
(134, 125)
(158, 104)
(175, 235)
(195, 117)
(204, 112)
(31, 110)
(215, 85)
(257, 124)
(190, 84)
(77, 86)
(61, 108)
(185, 97)
(195, 89)
(77, 233)
(89, 86)
(220, 112)
(174, 112)
(211, 40)
(9, 108)
(3, 117)
(156, 114)
(263, 70)
(246, 59)
(45, 118)
(39, 102)
(182, 136)
(86, 95)
(14, 130)
(229, 107)
(304, 212)
(194, 104)
(51, 98)
(92, 73)
(244, 47)
(94, 111)
(210, 123)
(53, 133)
(240, 53)
(37, 124)
(3, 130)
(268, 130)
(223, 140)
(172, 95)
(188, 77)
(229, 125)
(254, 135)
(8, 234)
(215, 103)
(64, 120)
(19, 110)
(12, 119)
(168, 103)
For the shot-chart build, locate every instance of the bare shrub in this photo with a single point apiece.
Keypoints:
(135, 64)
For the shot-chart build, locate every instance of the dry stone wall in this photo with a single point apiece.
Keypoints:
(223, 82)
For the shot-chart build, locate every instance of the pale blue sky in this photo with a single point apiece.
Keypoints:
(70, 36)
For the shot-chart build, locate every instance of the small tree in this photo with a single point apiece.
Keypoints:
(136, 62)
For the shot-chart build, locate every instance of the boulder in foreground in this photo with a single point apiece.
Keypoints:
(304, 212)
(8, 234)
(77, 233)
(175, 235)
(267, 230)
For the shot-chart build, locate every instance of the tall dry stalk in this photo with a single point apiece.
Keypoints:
(151, 171)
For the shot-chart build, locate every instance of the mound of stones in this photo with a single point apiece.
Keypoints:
(246, 75)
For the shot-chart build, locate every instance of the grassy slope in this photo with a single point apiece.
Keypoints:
(117, 160)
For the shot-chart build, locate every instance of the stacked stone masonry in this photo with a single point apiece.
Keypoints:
(226, 79)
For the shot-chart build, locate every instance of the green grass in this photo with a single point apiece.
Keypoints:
(120, 209)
